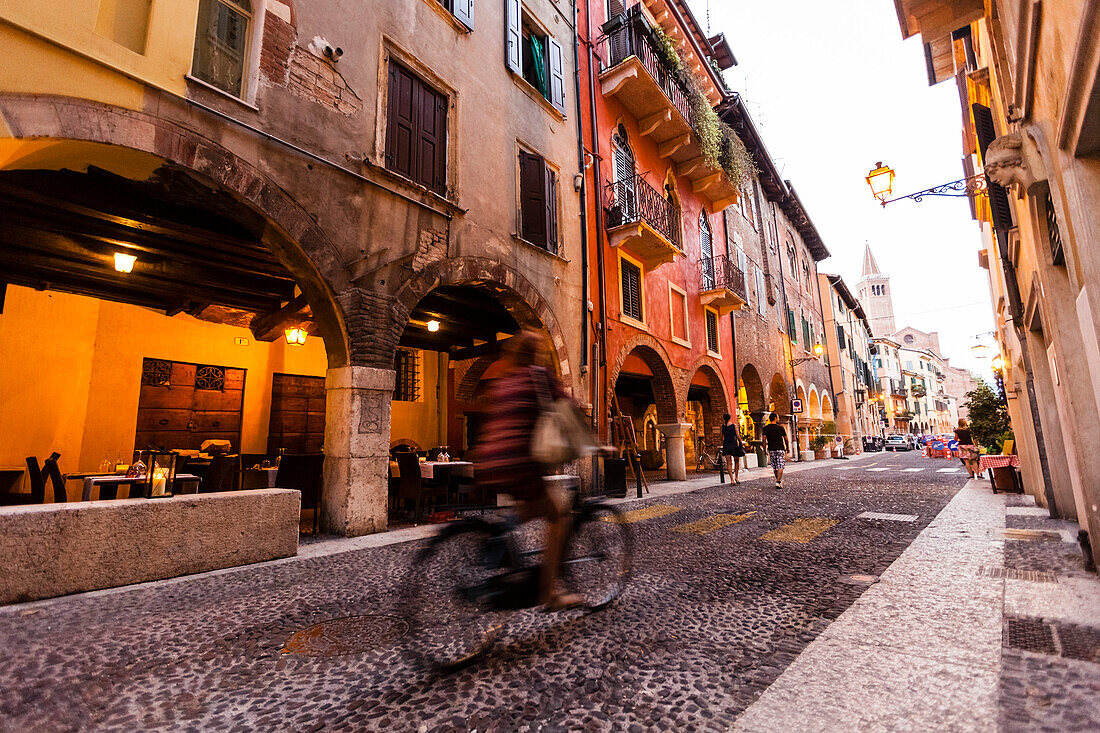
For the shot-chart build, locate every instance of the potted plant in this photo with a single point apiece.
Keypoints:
(817, 445)
(828, 431)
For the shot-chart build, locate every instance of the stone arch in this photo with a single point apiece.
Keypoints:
(515, 292)
(466, 389)
(61, 130)
(754, 389)
(394, 442)
(826, 407)
(719, 401)
(668, 398)
(814, 403)
(778, 394)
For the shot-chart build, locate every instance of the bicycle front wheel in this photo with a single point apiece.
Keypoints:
(449, 596)
(600, 556)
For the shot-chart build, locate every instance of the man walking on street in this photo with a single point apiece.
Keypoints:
(776, 435)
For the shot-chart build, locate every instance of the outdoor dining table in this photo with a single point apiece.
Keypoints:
(259, 478)
(90, 481)
(993, 462)
(428, 469)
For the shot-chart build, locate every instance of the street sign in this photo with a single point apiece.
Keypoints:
(796, 406)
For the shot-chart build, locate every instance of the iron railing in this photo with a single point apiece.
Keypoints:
(629, 35)
(721, 272)
(633, 200)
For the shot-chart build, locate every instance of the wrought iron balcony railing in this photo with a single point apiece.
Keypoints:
(629, 35)
(721, 272)
(632, 200)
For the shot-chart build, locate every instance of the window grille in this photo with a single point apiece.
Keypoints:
(156, 372)
(407, 366)
(1054, 236)
(210, 377)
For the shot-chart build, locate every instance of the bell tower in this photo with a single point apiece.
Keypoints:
(873, 291)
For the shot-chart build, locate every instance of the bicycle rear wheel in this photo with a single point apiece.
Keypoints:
(599, 559)
(449, 596)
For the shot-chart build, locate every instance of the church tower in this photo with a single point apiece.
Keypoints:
(873, 291)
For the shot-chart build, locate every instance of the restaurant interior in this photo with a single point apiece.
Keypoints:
(154, 343)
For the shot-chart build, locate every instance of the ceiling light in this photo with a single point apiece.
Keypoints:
(124, 262)
(433, 326)
(295, 336)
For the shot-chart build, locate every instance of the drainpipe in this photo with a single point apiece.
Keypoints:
(583, 192)
(601, 326)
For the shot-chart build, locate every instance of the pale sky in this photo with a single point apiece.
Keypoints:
(833, 89)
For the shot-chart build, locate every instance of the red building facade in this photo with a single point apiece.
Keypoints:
(698, 275)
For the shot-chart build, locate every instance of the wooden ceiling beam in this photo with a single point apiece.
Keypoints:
(270, 326)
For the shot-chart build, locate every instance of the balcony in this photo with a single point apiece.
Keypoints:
(644, 221)
(721, 284)
(635, 73)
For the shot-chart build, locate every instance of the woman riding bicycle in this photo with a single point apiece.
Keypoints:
(504, 460)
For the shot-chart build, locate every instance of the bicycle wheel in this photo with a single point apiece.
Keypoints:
(600, 557)
(449, 595)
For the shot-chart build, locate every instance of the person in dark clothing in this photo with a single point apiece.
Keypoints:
(733, 448)
(968, 452)
(778, 446)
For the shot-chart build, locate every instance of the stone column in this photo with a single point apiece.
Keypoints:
(357, 441)
(675, 461)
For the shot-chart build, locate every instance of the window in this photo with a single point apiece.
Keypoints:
(631, 281)
(761, 297)
(221, 44)
(463, 11)
(538, 202)
(407, 366)
(711, 319)
(909, 365)
(791, 327)
(534, 55)
(416, 130)
(678, 315)
(805, 275)
(706, 252)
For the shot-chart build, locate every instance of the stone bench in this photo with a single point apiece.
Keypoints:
(50, 550)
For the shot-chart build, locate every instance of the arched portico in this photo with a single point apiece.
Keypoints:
(640, 377)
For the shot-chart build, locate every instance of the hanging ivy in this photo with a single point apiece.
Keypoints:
(667, 50)
(735, 158)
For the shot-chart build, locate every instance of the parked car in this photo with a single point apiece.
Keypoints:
(898, 442)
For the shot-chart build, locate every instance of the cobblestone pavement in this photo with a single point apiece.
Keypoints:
(709, 621)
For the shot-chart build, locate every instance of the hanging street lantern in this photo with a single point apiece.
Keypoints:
(295, 336)
(881, 181)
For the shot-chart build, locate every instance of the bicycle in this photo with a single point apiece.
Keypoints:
(704, 460)
(472, 575)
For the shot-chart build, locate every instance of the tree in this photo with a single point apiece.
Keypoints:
(988, 416)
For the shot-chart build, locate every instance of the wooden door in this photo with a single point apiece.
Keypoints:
(181, 405)
(297, 414)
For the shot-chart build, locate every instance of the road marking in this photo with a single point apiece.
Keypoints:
(845, 468)
(888, 517)
(911, 470)
(947, 470)
(878, 469)
(800, 530)
(638, 515)
(709, 524)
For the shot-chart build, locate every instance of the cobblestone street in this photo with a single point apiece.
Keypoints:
(717, 611)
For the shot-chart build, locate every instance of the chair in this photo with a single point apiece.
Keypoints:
(224, 474)
(303, 472)
(51, 469)
(38, 487)
(412, 487)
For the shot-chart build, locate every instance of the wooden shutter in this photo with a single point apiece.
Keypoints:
(401, 122)
(464, 11)
(513, 37)
(614, 8)
(712, 331)
(998, 198)
(706, 248)
(532, 197)
(557, 75)
(431, 151)
(551, 196)
(791, 327)
(632, 290)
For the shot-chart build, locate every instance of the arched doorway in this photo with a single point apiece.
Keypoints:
(778, 397)
(706, 403)
(751, 404)
(643, 387)
(177, 296)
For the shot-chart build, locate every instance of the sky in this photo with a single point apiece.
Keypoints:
(833, 89)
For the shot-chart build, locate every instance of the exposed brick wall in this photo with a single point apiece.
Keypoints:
(373, 330)
(432, 247)
(670, 400)
(317, 80)
(278, 41)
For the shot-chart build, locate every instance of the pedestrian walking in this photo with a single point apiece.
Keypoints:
(733, 448)
(968, 452)
(778, 447)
